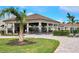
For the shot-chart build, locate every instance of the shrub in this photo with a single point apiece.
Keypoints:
(61, 33)
(2, 32)
(75, 31)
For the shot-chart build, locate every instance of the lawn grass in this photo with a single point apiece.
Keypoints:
(41, 46)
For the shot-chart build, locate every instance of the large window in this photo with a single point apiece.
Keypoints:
(55, 24)
(72, 28)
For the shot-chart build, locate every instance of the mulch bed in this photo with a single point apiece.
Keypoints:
(16, 42)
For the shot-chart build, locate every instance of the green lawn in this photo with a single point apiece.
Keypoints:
(41, 46)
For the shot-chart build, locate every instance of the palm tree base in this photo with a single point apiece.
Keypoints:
(21, 43)
(16, 42)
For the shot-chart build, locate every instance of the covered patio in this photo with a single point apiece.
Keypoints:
(36, 27)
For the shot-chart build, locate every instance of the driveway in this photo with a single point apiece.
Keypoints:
(67, 44)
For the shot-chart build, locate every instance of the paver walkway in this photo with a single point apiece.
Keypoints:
(67, 44)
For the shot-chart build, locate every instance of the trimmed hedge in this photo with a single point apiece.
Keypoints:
(2, 32)
(61, 33)
(76, 31)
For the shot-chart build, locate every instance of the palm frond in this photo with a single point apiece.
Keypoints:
(71, 18)
(23, 16)
(68, 15)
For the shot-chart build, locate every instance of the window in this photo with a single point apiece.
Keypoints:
(65, 28)
(55, 24)
(72, 28)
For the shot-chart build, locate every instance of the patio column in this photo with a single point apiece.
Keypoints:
(6, 30)
(13, 28)
(40, 27)
(27, 27)
(47, 27)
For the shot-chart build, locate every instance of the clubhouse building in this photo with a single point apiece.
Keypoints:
(35, 24)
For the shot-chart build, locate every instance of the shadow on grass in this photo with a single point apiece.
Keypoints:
(17, 43)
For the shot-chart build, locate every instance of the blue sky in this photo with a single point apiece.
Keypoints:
(55, 12)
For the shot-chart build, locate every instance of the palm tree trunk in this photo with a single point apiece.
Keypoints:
(73, 29)
(21, 39)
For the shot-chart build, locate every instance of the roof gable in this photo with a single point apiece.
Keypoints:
(41, 17)
(35, 17)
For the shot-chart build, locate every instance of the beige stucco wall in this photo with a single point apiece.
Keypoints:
(68, 27)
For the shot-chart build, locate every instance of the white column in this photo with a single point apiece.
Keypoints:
(6, 29)
(13, 28)
(27, 27)
(47, 27)
(40, 27)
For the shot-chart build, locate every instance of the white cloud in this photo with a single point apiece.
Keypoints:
(74, 9)
(30, 13)
(60, 20)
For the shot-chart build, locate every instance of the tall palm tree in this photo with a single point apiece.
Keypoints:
(20, 17)
(71, 19)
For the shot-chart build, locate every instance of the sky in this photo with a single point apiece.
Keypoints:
(58, 13)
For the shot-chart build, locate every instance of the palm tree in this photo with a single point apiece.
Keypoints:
(71, 19)
(20, 17)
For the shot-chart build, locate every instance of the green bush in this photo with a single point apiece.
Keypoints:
(2, 32)
(75, 31)
(61, 33)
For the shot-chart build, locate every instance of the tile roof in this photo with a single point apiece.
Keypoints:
(40, 17)
(36, 17)
(69, 24)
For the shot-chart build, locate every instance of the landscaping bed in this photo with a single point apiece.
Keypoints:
(61, 33)
(41, 45)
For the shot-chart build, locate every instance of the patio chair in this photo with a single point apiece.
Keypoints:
(71, 35)
(77, 35)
